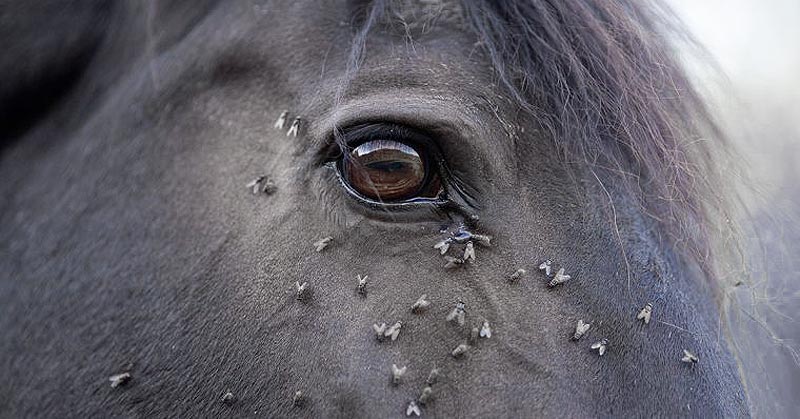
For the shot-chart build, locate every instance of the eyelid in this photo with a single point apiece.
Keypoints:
(456, 126)
(354, 136)
(458, 130)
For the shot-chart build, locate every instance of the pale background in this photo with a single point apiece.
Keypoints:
(757, 45)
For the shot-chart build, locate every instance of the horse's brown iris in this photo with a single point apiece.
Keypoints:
(386, 170)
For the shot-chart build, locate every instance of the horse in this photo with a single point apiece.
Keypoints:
(448, 208)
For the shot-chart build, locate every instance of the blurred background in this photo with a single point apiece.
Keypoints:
(756, 45)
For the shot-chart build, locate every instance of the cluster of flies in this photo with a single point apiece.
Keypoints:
(581, 328)
(264, 184)
(467, 239)
(294, 128)
(391, 333)
(464, 239)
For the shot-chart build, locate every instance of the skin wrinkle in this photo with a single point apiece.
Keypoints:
(179, 268)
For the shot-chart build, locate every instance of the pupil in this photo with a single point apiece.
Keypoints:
(387, 166)
(385, 170)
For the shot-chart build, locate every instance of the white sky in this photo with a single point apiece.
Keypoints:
(757, 44)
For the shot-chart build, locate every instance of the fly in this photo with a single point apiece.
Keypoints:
(580, 330)
(458, 314)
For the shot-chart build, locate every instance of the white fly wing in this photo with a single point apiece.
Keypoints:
(469, 252)
(421, 303)
(517, 274)
(452, 315)
(486, 331)
(426, 395)
(443, 246)
(483, 239)
(545, 266)
(460, 317)
(397, 373)
(253, 184)
(281, 122)
(433, 376)
(294, 128)
(322, 243)
(459, 350)
(413, 409)
(562, 277)
(393, 331)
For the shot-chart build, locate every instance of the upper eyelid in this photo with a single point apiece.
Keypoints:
(461, 131)
(435, 114)
(361, 133)
(350, 137)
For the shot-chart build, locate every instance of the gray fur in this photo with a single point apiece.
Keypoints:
(126, 235)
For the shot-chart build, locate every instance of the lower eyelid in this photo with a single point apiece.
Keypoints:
(345, 209)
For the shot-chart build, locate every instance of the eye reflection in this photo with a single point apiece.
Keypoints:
(389, 171)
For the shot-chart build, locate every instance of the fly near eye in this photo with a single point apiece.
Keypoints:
(389, 171)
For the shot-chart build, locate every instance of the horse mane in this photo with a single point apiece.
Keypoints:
(607, 84)
(604, 80)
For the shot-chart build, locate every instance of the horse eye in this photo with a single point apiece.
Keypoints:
(390, 171)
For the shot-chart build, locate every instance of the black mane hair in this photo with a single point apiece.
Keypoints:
(604, 80)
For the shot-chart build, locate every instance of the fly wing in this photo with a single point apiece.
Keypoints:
(413, 409)
(460, 317)
(486, 331)
(452, 315)
(469, 252)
